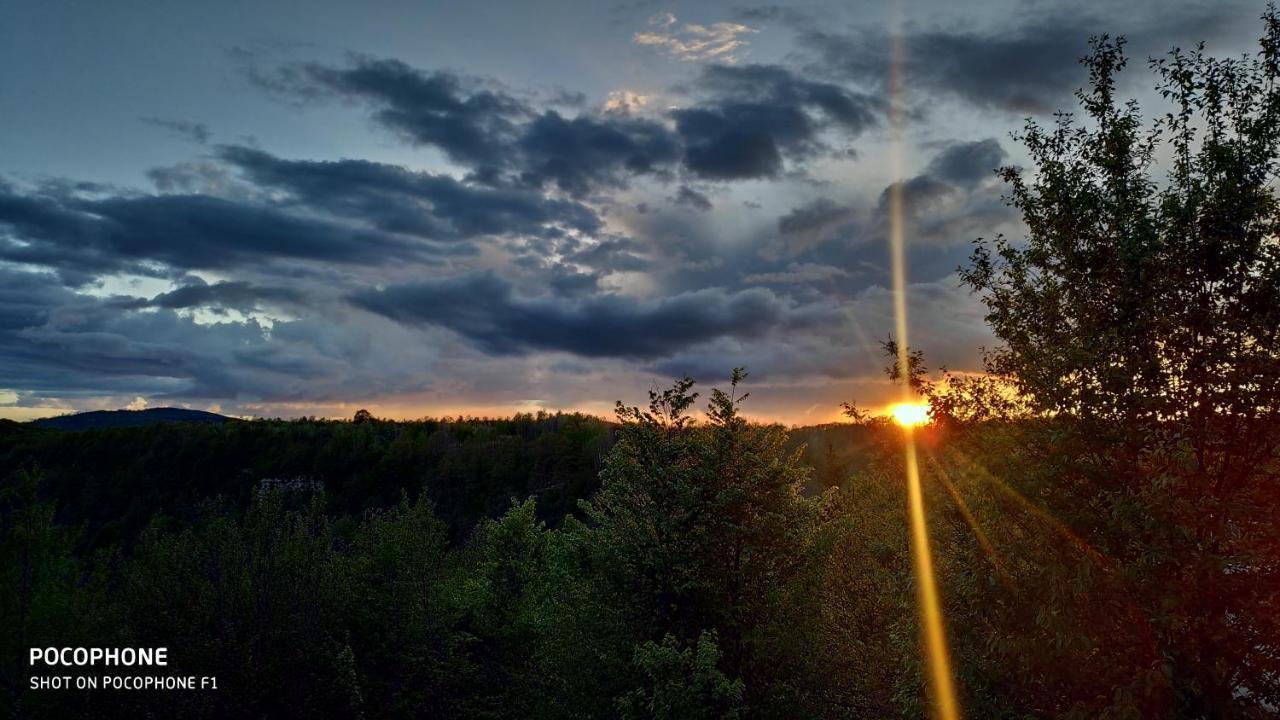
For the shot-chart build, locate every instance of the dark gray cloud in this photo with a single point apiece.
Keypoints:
(57, 340)
(919, 194)
(488, 131)
(230, 294)
(1025, 67)
(957, 168)
(779, 86)
(759, 114)
(816, 221)
(612, 254)
(745, 122)
(62, 344)
(771, 13)
(968, 162)
(689, 197)
(739, 142)
(472, 124)
(570, 283)
(396, 199)
(485, 309)
(816, 216)
(582, 153)
(946, 322)
(126, 232)
(1031, 69)
(956, 198)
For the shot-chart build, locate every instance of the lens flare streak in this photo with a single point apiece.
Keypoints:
(935, 637)
(940, 472)
(933, 630)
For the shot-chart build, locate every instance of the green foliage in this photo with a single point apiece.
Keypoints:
(38, 583)
(244, 600)
(914, 374)
(1135, 300)
(114, 480)
(405, 654)
(682, 683)
(706, 527)
(1141, 320)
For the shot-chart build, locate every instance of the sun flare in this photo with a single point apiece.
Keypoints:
(909, 414)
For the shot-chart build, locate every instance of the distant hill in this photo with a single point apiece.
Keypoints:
(127, 418)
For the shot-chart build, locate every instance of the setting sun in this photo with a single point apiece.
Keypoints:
(910, 414)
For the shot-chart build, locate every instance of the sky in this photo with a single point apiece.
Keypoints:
(282, 208)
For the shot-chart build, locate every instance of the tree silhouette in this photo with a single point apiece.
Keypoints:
(1141, 318)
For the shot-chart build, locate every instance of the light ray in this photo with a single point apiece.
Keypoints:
(935, 636)
(933, 630)
(1026, 504)
(1122, 598)
(984, 542)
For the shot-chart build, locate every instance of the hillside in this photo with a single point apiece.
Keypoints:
(127, 418)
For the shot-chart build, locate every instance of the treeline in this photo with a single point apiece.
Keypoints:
(113, 481)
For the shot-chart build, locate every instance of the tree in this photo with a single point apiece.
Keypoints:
(1133, 301)
(706, 529)
(39, 601)
(1141, 319)
(682, 683)
(258, 603)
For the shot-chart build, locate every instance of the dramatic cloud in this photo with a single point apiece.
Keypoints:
(957, 197)
(1030, 70)
(492, 133)
(395, 199)
(946, 322)
(60, 344)
(692, 42)
(734, 143)
(584, 152)
(968, 162)
(758, 114)
(124, 233)
(778, 86)
(806, 273)
(1027, 67)
(689, 197)
(276, 213)
(744, 123)
(805, 226)
(485, 309)
(574, 217)
(470, 123)
(614, 254)
(232, 295)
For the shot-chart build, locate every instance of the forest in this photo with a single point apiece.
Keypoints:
(1102, 501)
